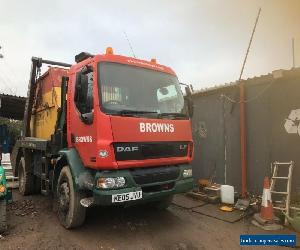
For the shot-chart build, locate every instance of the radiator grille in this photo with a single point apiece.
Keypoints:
(152, 175)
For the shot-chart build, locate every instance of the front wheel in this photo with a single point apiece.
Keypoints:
(3, 225)
(71, 213)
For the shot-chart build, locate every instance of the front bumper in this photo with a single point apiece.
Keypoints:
(151, 191)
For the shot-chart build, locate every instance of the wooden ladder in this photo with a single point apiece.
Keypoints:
(288, 179)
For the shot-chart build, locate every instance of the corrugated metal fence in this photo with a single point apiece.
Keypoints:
(273, 130)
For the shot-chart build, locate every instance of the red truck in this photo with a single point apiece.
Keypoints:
(108, 130)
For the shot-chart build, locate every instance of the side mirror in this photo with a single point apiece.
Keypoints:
(86, 69)
(188, 91)
(189, 101)
(87, 118)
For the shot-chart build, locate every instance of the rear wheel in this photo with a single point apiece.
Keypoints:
(71, 213)
(3, 225)
(26, 179)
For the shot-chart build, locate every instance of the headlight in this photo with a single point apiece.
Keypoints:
(120, 182)
(187, 173)
(2, 189)
(108, 183)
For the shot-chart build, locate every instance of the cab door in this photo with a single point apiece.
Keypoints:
(82, 124)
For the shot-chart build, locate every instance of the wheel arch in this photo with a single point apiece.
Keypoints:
(71, 158)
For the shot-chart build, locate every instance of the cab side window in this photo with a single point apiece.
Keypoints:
(83, 97)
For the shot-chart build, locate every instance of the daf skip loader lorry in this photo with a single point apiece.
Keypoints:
(108, 130)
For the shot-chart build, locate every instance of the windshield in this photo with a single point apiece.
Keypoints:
(129, 90)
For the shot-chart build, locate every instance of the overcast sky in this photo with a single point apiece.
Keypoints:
(203, 41)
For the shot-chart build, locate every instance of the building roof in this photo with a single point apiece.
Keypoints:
(12, 106)
(276, 74)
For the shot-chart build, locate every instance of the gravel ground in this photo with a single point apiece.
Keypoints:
(33, 225)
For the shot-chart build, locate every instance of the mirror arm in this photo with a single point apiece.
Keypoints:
(87, 118)
(184, 84)
(86, 69)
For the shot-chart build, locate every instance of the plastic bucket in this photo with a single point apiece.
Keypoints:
(227, 194)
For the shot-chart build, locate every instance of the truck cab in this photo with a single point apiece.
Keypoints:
(121, 136)
(127, 113)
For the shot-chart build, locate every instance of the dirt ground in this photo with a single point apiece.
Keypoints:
(33, 225)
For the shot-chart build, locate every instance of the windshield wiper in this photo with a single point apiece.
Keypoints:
(142, 112)
(176, 115)
(135, 112)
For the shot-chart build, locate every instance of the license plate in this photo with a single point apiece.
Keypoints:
(131, 196)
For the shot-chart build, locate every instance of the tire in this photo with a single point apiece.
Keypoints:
(163, 204)
(3, 225)
(26, 179)
(71, 213)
